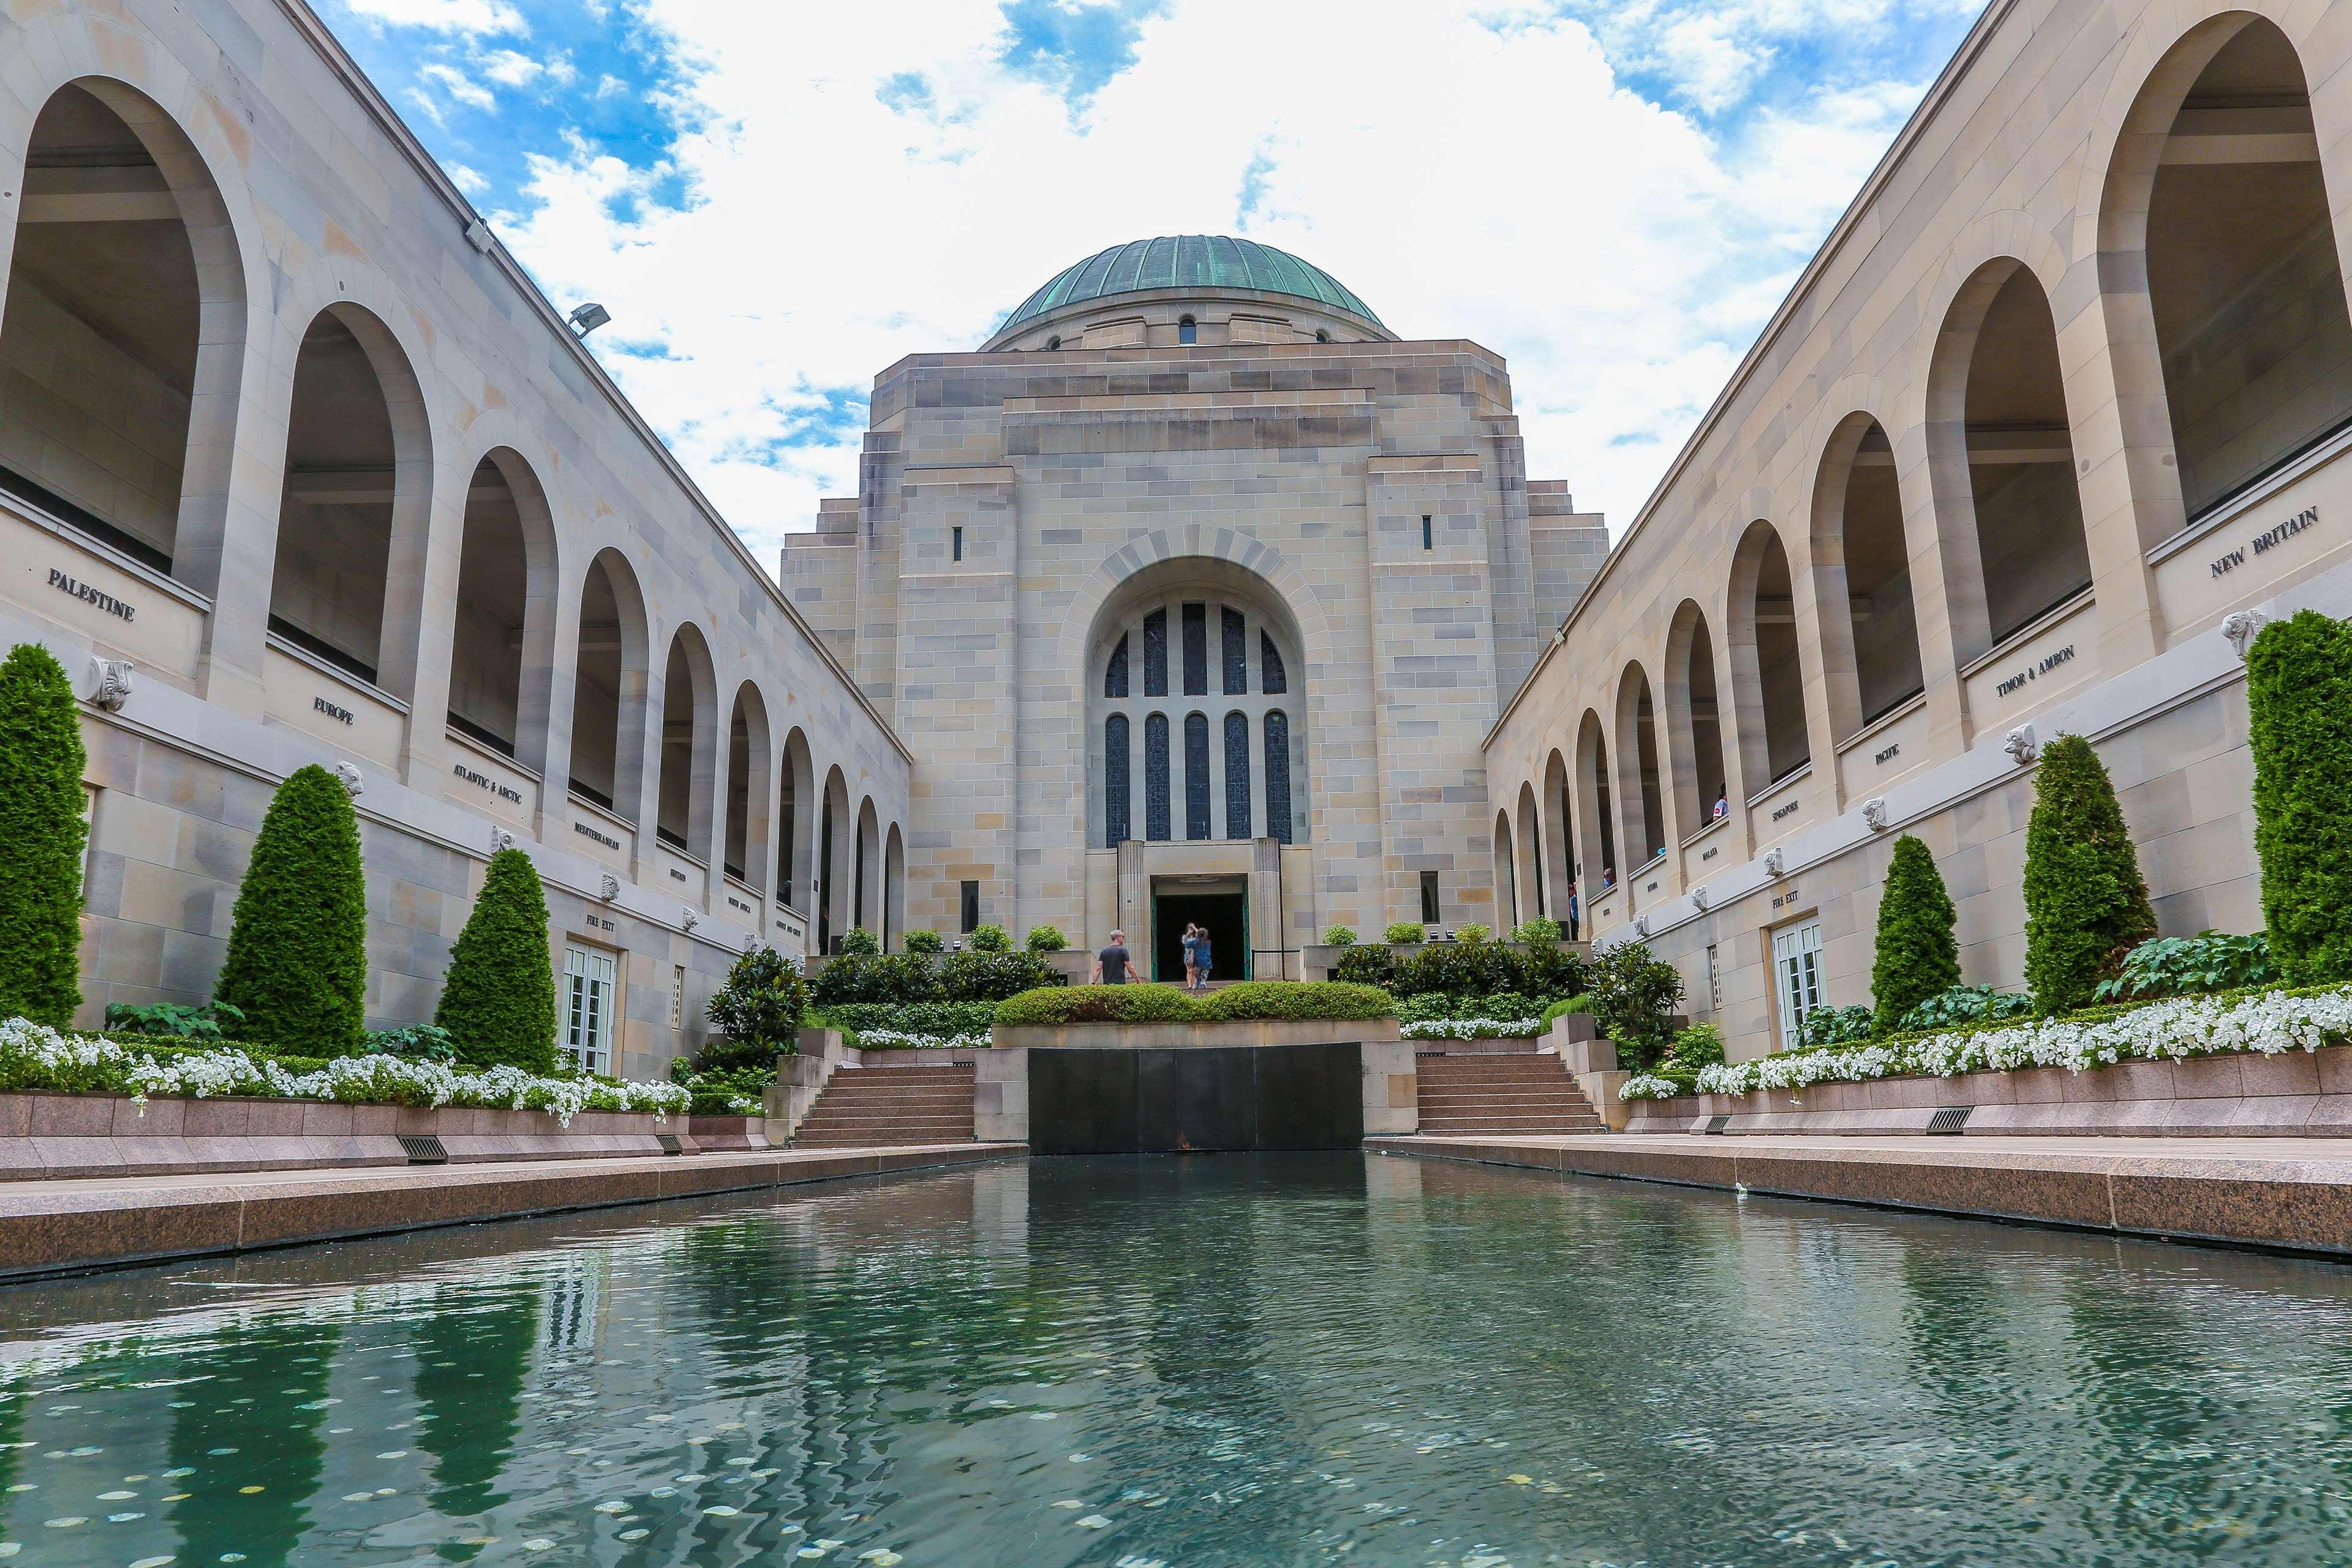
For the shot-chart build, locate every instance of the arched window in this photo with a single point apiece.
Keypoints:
(1637, 751)
(1188, 331)
(1114, 672)
(1271, 680)
(1155, 653)
(744, 854)
(1237, 775)
(1858, 540)
(1115, 778)
(1236, 651)
(795, 804)
(1595, 806)
(1157, 825)
(1694, 722)
(1767, 671)
(1277, 775)
(609, 688)
(503, 634)
(1196, 776)
(688, 741)
(894, 890)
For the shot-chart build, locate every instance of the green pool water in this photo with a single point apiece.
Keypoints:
(1220, 1360)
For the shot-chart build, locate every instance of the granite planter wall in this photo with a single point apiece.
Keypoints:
(2294, 1094)
(45, 1135)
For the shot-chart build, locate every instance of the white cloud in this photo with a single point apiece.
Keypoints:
(459, 85)
(470, 16)
(1468, 175)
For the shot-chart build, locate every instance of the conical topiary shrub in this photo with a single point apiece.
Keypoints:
(499, 1001)
(41, 837)
(297, 962)
(2085, 905)
(1917, 955)
(2299, 705)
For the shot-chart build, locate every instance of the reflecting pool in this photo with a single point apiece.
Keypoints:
(1219, 1360)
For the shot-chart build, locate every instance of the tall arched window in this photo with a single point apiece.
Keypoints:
(1156, 821)
(1236, 651)
(1277, 775)
(503, 637)
(1237, 775)
(1188, 331)
(1114, 672)
(1196, 776)
(1767, 668)
(1115, 778)
(1155, 653)
(610, 685)
(1863, 566)
(1269, 658)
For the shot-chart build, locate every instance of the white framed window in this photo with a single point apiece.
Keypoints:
(1797, 971)
(589, 998)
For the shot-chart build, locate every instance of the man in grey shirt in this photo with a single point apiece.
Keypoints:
(1111, 962)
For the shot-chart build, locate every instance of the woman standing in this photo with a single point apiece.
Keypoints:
(1191, 941)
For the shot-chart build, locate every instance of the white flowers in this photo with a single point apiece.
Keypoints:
(1648, 1086)
(897, 1040)
(37, 1056)
(2180, 1026)
(1472, 1030)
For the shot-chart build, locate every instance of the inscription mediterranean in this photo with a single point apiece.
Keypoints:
(607, 839)
(2035, 672)
(341, 715)
(480, 781)
(2269, 538)
(88, 595)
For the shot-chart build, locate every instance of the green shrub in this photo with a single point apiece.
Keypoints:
(413, 1042)
(1537, 933)
(1545, 971)
(859, 942)
(1366, 966)
(1563, 1008)
(1700, 1046)
(1473, 968)
(297, 961)
(1046, 939)
(1634, 997)
(1338, 936)
(212, 1023)
(1835, 1027)
(498, 1001)
(2085, 905)
(992, 977)
(923, 941)
(757, 1013)
(1404, 933)
(874, 977)
(1294, 999)
(1473, 933)
(1055, 1005)
(989, 939)
(2191, 966)
(726, 1091)
(42, 832)
(1964, 1005)
(938, 1020)
(1916, 956)
(2299, 708)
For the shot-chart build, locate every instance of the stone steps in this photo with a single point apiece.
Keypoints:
(882, 1107)
(1513, 1092)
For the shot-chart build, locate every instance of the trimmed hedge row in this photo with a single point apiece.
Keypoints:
(1054, 1005)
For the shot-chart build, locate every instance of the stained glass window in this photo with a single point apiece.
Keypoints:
(1115, 780)
(1277, 775)
(1236, 652)
(1155, 777)
(1196, 776)
(1196, 650)
(1237, 775)
(1115, 673)
(1155, 653)
(1270, 673)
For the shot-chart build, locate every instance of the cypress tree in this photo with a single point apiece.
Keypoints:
(2299, 703)
(41, 837)
(297, 961)
(2085, 905)
(1917, 955)
(499, 1001)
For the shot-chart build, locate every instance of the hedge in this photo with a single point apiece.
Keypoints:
(2299, 707)
(938, 1020)
(1916, 956)
(41, 837)
(498, 1001)
(2085, 903)
(897, 978)
(296, 963)
(1053, 1005)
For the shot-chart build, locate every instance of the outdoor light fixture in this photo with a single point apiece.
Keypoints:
(585, 318)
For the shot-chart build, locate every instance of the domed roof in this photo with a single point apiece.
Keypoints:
(1206, 261)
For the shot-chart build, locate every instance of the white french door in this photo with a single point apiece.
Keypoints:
(1797, 971)
(588, 1010)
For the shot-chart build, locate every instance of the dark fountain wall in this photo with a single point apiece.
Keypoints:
(1151, 1102)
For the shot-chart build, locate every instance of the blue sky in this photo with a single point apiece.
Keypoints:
(778, 200)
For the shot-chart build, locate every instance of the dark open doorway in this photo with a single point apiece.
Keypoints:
(1223, 910)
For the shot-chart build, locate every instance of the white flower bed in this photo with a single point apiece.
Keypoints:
(106, 1067)
(896, 1040)
(1648, 1086)
(2271, 1023)
(1472, 1030)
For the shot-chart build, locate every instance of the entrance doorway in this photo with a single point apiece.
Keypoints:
(1220, 905)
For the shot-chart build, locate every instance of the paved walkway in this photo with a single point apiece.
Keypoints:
(49, 1228)
(2290, 1192)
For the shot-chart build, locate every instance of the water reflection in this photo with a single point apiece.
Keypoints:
(1225, 1360)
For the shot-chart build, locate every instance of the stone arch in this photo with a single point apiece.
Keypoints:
(1595, 810)
(797, 816)
(612, 686)
(1535, 886)
(894, 890)
(1559, 841)
(834, 830)
(1640, 797)
(688, 778)
(503, 615)
(1766, 674)
(1507, 880)
(1870, 653)
(750, 789)
(865, 871)
(1694, 713)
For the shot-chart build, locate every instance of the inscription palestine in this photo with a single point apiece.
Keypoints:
(503, 791)
(2268, 540)
(88, 595)
(2035, 672)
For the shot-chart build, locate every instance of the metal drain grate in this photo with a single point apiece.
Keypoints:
(1716, 1124)
(669, 1144)
(423, 1148)
(1949, 1118)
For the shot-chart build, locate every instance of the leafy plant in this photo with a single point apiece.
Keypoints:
(498, 1001)
(297, 960)
(412, 1043)
(1366, 966)
(172, 1020)
(1338, 936)
(2188, 965)
(1835, 1027)
(725, 1091)
(923, 940)
(992, 977)
(757, 1012)
(1058, 1005)
(1700, 1046)
(859, 942)
(2299, 712)
(1473, 933)
(1046, 939)
(1917, 955)
(1566, 1006)
(1634, 997)
(2085, 903)
(1537, 933)
(1545, 971)
(1962, 1005)
(989, 939)
(1404, 933)
(874, 977)
(42, 832)
(937, 1020)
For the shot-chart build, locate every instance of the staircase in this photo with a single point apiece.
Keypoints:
(1517, 1091)
(862, 1107)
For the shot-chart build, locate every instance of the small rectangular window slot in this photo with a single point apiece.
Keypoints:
(958, 543)
(1430, 914)
(1427, 540)
(971, 911)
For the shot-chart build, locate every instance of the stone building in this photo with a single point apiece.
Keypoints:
(2058, 412)
(1195, 589)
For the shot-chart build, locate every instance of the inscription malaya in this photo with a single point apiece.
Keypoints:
(2270, 539)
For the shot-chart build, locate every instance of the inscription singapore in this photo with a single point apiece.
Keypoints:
(2269, 538)
(1788, 810)
(84, 592)
(2035, 672)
